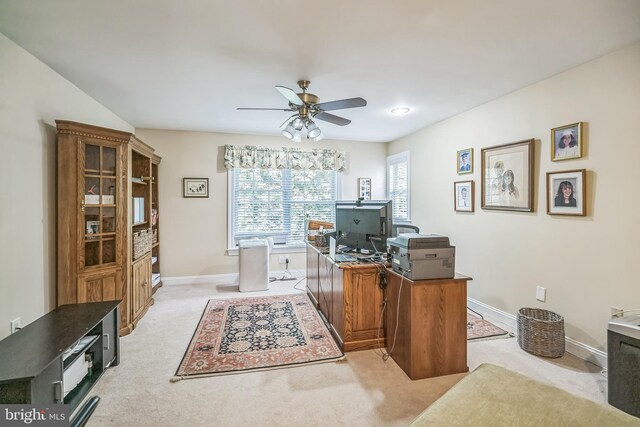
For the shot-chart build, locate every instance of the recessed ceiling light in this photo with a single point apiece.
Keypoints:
(400, 110)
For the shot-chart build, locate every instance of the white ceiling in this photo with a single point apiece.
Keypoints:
(187, 64)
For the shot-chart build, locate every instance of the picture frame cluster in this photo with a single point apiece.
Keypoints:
(507, 176)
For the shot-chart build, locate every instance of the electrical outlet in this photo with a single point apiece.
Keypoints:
(617, 312)
(541, 293)
(15, 325)
(281, 260)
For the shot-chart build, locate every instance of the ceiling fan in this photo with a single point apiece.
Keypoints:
(306, 108)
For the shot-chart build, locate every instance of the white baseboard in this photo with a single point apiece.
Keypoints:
(508, 322)
(222, 278)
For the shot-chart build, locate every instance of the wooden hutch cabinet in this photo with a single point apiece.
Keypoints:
(106, 219)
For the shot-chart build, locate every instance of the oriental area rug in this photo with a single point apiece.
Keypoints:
(478, 328)
(257, 333)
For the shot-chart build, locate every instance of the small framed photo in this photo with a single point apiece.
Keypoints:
(463, 196)
(566, 142)
(93, 227)
(195, 187)
(566, 193)
(465, 161)
(364, 188)
(507, 177)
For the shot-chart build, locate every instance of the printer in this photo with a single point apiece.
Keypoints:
(422, 256)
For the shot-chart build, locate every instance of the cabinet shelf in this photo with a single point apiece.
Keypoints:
(94, 236)
(139, 223)
(76, 395)
(156, 244)
(79, 349)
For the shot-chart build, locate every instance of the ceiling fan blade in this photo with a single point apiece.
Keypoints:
(341, 104)
(291, 96)
(268, 109)
(340, 121)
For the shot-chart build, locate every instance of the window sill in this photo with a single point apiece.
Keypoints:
(276, 250)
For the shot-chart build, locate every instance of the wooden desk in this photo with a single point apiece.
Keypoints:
(349, 297)
(431, 338)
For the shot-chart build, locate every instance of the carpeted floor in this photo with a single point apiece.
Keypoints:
(363, 390)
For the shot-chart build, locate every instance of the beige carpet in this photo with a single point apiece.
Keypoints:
(361, 391)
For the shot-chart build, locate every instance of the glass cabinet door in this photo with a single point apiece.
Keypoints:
(99, 205)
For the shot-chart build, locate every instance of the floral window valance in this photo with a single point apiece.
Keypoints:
(248, 157)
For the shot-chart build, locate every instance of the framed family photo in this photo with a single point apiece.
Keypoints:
(566, 142)
(364, 188)
(507, 176)
(566, 193)
(195, 187)
(463, 196)
(465, 161)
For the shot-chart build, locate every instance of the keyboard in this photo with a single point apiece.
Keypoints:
(345, 258)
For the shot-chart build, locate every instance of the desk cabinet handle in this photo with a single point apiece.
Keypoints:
(107, 345)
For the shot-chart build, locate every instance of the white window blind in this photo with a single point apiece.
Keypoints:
(398, 185)
(276, 203)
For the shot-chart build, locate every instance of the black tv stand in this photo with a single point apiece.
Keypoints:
(35, 359)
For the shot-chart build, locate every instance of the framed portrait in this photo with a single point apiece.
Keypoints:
(195, 187)
(566, 193)
(93, 227)
(463, 196)
(507, 177)
(566, 142)
(465, 161)
(364, 188)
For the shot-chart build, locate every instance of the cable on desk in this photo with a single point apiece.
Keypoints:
(385, 356)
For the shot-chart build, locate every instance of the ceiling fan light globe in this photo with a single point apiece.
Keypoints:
(315, 132)
(319, 137)
(289, 131)
(297, 123)
(296, 137)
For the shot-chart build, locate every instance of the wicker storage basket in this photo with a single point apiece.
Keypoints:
(541, 332)
(141, 243)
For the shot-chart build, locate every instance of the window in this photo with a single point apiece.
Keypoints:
(276, 203)
(398, 185)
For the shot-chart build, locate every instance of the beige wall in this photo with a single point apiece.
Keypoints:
(587, 264)
(194, 231)
(33, 96)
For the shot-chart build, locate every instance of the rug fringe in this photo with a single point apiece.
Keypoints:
(266, 368)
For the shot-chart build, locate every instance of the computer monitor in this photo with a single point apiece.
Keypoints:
(364, 224)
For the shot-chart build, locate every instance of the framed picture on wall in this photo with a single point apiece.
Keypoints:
(463, 196)
(566, 193)
(465, 161)
(507, 177)
(364, 188)
(195, 187)
(566, 142)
